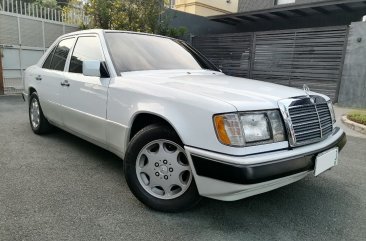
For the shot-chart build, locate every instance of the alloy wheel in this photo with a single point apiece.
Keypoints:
(162, 169)
(35, 113)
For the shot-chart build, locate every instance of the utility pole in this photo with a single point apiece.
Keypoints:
(1, 72)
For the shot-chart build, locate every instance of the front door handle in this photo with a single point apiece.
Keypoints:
(65, 83)
(38, 77)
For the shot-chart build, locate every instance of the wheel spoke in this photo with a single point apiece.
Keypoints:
(147, 169)
(147, 165)
(166, 187)
(182, 168)
(172, 155)
(154, 181)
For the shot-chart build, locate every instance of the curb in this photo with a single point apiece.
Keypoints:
(353, 125)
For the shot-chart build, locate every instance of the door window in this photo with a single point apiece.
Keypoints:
(57, 58)
(47, 63)
(60, 54)
(86, 48)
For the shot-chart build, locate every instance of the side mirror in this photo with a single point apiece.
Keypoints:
(91, 68)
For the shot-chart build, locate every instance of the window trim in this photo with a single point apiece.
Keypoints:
(54, 46)
(68, 61)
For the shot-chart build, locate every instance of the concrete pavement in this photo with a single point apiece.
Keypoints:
(59, 187)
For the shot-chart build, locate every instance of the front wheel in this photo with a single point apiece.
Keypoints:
(157, 170)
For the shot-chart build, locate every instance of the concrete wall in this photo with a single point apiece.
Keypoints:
(207, 7)
(353, 84)
(252, 5)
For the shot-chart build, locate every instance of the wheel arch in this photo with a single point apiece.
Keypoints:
(31, 89)
(145, 118)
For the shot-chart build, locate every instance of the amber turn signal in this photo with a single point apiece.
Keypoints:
(220, 130)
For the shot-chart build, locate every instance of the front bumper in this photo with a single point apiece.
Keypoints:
(228, 177)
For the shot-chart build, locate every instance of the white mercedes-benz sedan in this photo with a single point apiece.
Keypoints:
(183, 128)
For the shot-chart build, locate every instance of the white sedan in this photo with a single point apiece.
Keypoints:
(183, 128)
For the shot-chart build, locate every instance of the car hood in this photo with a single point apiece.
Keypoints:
(242, 93)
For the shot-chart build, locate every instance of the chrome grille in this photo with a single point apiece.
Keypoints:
(307, 118)
(310, 122)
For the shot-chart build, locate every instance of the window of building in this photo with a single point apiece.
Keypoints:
(86, 48)
(280, 2)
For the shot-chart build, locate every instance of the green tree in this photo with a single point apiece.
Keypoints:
(100, 12)
(47, 3)
(74, 13)
(131, 15)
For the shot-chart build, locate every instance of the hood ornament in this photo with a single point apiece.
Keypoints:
(306, 89)
(307, 92)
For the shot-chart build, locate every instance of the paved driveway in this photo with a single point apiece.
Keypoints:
(59, 187)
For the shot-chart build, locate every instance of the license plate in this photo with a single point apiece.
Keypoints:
(326, 160)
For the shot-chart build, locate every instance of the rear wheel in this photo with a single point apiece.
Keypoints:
(38, 121)
(157, 170)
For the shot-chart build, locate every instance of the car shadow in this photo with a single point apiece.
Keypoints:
(92, 152)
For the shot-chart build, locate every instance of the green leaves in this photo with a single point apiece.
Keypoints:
(130, 15)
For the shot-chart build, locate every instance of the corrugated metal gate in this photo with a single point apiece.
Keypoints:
(23, 40)
(289, 57)
(229, 52)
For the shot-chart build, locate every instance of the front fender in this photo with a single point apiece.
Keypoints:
(189, 114)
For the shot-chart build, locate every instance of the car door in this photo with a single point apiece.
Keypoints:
(49, 77)
(84, 98)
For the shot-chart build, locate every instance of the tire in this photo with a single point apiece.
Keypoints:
(157, 171)
(38, 121)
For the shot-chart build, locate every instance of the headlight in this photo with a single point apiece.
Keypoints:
(331, 110)
(250, 128)
(256, 127)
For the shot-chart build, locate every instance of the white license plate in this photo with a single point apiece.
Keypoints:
(326, 160)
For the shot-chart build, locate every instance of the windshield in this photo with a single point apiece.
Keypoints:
(136, 52)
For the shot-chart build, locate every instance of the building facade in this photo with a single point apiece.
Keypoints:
(207, 7)
(250, 5)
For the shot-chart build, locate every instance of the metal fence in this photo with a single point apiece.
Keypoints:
(229, 52)
(289, 57)
(74, 15)
(23, 40)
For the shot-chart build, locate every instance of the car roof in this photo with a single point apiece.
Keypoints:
(101, 31)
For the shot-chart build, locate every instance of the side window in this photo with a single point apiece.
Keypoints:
(60, 54)
(47, 63)
(86, 48)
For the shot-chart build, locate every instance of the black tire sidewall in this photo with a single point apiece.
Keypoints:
(43, 126)
(143, 137)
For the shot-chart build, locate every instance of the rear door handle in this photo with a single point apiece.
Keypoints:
(38, 77)
(65, 83)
